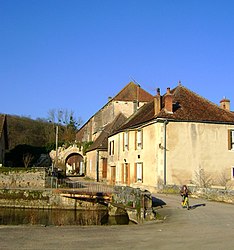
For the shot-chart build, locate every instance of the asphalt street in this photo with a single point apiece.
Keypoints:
(207, 225)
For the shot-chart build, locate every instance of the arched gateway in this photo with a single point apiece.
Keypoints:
(70, 160)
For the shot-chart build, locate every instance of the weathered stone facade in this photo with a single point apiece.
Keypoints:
(33, 178)
(127, 101)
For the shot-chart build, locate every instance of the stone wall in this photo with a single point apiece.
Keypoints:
(137, 203)
(43, 199)
(33, 178)
(212, 193)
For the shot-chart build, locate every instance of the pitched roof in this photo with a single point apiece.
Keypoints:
(102, 141)
(130, 92)
(133, 92)
(187, 106)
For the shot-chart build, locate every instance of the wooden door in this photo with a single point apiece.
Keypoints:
(104, 168)
(127, 173)
(113, 175)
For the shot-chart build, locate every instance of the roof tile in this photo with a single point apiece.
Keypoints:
(187, 106)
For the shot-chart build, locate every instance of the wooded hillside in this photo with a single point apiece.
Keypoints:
(22, 130)
(28, 138)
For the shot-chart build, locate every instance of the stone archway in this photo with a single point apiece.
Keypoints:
(74, 165)
(72, 156)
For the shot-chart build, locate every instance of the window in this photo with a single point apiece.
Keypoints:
(139, 139)
(139, 172)
(232, 174)
(231, 139)
(111, 148)
(125, 140)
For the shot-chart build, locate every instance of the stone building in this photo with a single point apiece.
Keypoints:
(127, 101)
(95, 130)
(178, 138)
(97, 153)
(110, 117)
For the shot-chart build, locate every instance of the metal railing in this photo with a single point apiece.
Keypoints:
(78, 186)
(88, 187)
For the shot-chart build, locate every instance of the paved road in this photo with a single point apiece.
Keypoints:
(203, 227)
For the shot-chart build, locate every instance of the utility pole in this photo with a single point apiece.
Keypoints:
(56, 147)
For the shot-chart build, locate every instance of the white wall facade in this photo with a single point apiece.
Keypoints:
(190, 147)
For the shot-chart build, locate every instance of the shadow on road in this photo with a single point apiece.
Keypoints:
(157, 202)
(197, 205)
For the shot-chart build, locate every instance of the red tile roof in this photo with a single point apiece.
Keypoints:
(187, 106)
(130, 92)
(133, 92)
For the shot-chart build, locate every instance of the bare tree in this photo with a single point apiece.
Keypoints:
(63, 117)
(67, 122)
(202, 178)
(225, 180)
(27, 159)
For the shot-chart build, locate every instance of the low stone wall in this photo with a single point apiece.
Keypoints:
(33, 178)
(43, 199)
(137, 203)
(215, 194)
(211, 193)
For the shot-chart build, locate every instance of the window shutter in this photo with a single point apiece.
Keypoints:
(128, 174)
(113, 147)
(128, 140)
(135, 140)
(123, 143)
(229, 139)
(123, 173)
(141, 139)
(135, 172)
(142, 172)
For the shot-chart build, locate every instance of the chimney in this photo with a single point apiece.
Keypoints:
(225, 104)
(168, 101)
(157, 102)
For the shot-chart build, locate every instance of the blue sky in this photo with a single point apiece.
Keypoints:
(73, 54)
